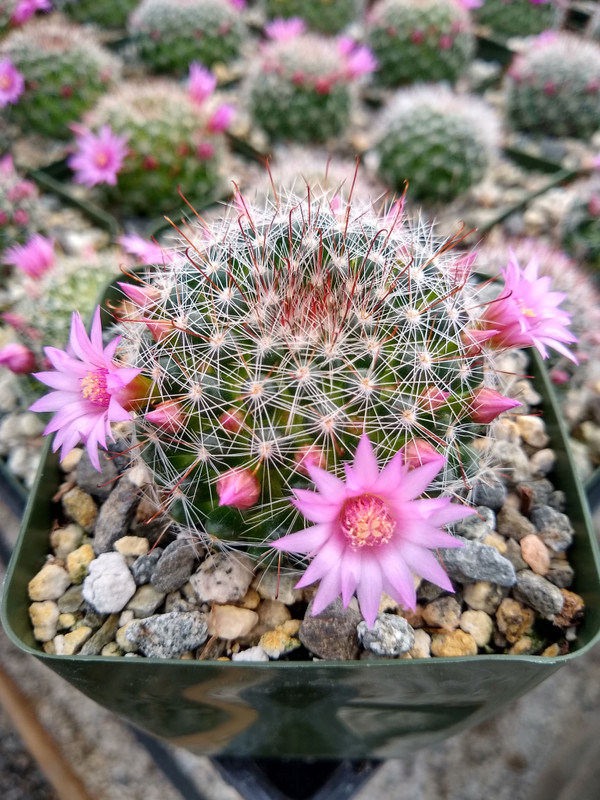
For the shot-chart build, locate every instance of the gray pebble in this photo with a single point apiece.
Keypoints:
(115, 515)
(538, 593)
(102, 637)
(477, 562)
(174, 567)
(561, 573)
(390, 635)
(477, 526)
(427, 591)
(143, 567)
(332, 634)
(492, 494)
(71, 601)
(168, 635)
(554, 528)
(98, 484)
(511, 523)
(540, 490)
(223, 578)
(513, 554)
(145, 601)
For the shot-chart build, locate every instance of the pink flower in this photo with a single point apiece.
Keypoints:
(487, 404)
(469, 4)
(201, 83)
(232, 420)
(205, 150)
(17, 358)
(99, 157)
(239, 4)
(419, 452)
(222, 118)
(146, 252)
(371, 534)
(88, 390)
(238, 488)
(309, 454)
(34, 258)
(27, 8)
(12, 83)
(142, 296)
(360, 61)
(527, 314)
(474, 339)
(167, 415)
(285, 29)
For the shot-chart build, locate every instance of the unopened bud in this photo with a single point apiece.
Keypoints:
(238, 488)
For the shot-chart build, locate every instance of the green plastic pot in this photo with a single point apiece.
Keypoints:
(378, 709)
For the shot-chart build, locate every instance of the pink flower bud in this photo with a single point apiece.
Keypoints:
(419, 452)
(310, 455)
(142, 296)
(474, 339)
(487, 404)
(20, 217)
(433, 398)
(17, 358)
(445, 41)
(238, 488)
(205, 150)
(222, 118)
(159, 329)
(559, 376)
(167, 415)
(416, 37)
(201, 84)
(232, 420)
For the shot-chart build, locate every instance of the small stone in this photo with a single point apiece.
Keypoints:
(123, 642)
(223, 578)
(554, 528)
(143, 567)
(132, 546)
(175, 602)
(98, 484)
(66, 621)
(71, 601)
(491, 494)
(65, 540)
(387, 603)
(532, 430)
(332, 635)
(495, 540)
(174, 567)
(272, 586)
(538, 593)
(168, 635)
(126, 617)
(49, 583)
(111, 649)
(512, 458)
(291, 627)
(540, 490)
(535, 554)
(427, 591)
(511, 523)
(572, 612)
(513, 619)
(272, 613)
(231, 622)
(79, 561)
(513, 554)
(70, 461)
(422, 645)
(453, 643)
(552, 651)
(390, 635)
(44, 616)
(80, 507)
(477, 526)
(145, 601)
(277, 643)
(70, 643)
(477, 562)
(543, 461)
(561, 573)
(414, 617)
(442, 613)
(479, 624)
(250, 600)
(115, 515)
(522, 647)
(102, 637)
(109, 585)
(250, 654)
(483, 596)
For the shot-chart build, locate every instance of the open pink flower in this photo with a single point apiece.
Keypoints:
(34, 258)
(99, 157)
(470, 4)
(222, 118)
(202, 82)
(360, 61)
(527, 314)
(370, 534)
(12, 83)
(282, 30)
(27, 8)
(146, 252)
(88, 390)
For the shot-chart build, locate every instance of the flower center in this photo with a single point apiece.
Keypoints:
(366, 521)
(5, 82)
(101, 159)
(527, 312)
(93, 387)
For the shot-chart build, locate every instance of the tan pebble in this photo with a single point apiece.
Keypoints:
(223, 658)
(532, 430)
(272, 613)
(78, 562)
(231, 622)
(514, 620)
(111, 649)
(50, 583)
(71, 460)
(535, 553)
(66, 621)
(543, 461)
(273, 586)
(276, 643)
(522, 647)
(453, 643)
(506, 430)
(291, 627)
(483, 596)
(442, 613)
(414, 618)
(495, 540)
(187, 656)
(572, 611)
(250, 600)
(132, 546)
(387, 603)
(69, 643)
(421, 647)
(44, 617)
(126, 616)
(479, 624)
(123, 641)
(65, 540)
(80, 507)
(49, 648)
(552, 651)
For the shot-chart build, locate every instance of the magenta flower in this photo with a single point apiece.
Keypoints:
(222, 118)
(88, 390)
(470, 4)
(12, 83)
(34, 258)
(146, 252)
(27, 8)
(99, 157)
(527, 313)
(371, 535)
(201, 83)
(359, 61)
(17, 358)
(283, 30)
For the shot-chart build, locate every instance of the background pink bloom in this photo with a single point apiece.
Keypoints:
(34, 258)
(88, 390)
(201, 83)
(284, 29)
(27, 8)
(17, 358)
(370, 534)
(99, 157)
(222, 118)
(360, 61)
(12, 83)
(469, 4)
(147, 252)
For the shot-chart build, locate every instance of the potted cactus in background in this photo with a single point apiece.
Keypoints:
(517, 17)
(326, 16)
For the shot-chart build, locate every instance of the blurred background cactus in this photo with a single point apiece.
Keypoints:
(104, 13)
(420, 40)
(441, 142)
(554, 87)
(580, 226)
(517, 17)
(326, 16)
(20, 213)
(170, 34)
(65, 71)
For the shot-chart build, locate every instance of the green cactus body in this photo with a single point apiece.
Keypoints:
(20, 213)
(105, 13)
(326, 16)
(285, 334)
(65, 71)
(170, 146)
(580, 225)
(516, 17)
(554, 88)
(441, 142)
(299, 91)
(420, 40)
(170, 34)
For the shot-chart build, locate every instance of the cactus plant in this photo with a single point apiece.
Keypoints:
(170, 34)
(516, 17)
(439, 141)
(326, 16)
(580, 225)
(105, 13)
(65, 71)
(170, 144)
(554, 87)
(420, 40)
(19, 205)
